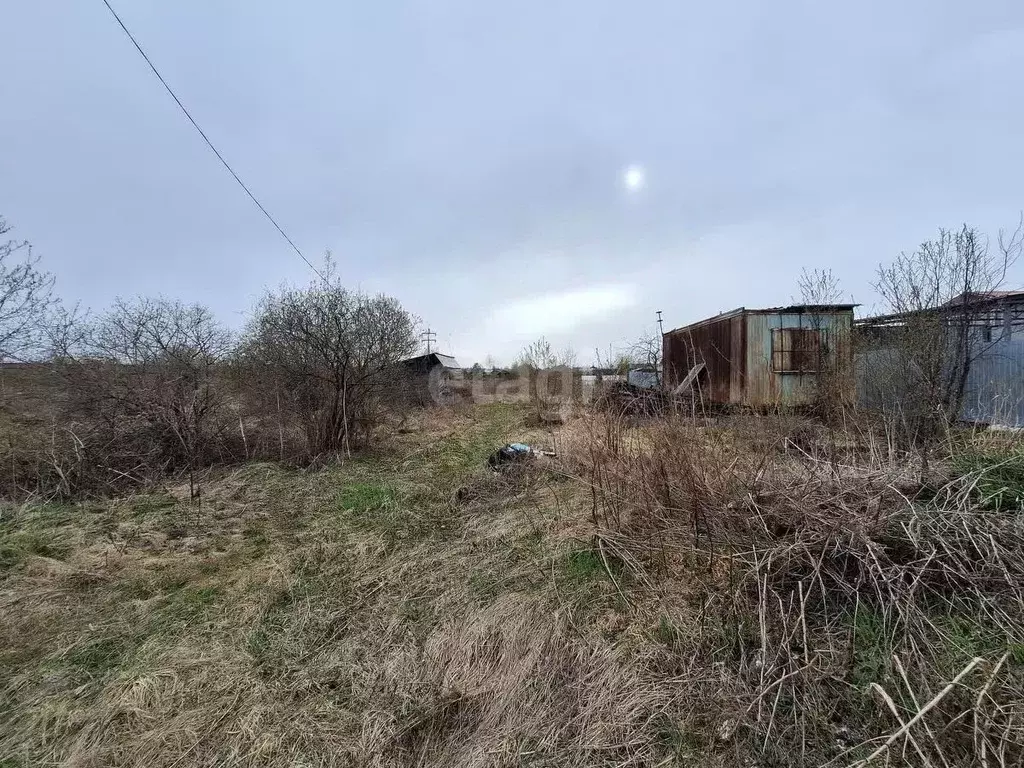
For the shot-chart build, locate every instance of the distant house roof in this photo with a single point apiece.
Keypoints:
(977, 302)
(982, 297)
(447, 360)
(432, 360)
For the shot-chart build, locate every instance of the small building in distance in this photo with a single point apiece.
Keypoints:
(761, 357)
(424, 365)
(426, 378)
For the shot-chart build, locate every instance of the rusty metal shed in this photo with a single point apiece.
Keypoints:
(761, 357)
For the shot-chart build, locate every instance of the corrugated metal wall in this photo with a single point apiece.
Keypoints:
(764, 386)
(737, 350)
(995, 386)
(994, 393)
(719, 345)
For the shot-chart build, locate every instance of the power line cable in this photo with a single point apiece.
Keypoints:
(208, 142)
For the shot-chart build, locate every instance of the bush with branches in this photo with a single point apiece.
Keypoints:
(326, 357)
(142, 396)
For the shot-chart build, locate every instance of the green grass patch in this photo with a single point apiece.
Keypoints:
(281, 636)
(679, 743)
(380, 507)
(152, 504)
(961, 637)
(1016, 651)
(527, 548)
(302, 616)
(870, 658)
(138, 588)
(998, 476)
(485, 585)
(43, 516)
(584, 565)
(259, 645)
(367, 497)
(18, 546)
(95, 658)
(92, 659)
(190, 603)
(257, 539)
(667, 633)
(453, 457)
(181, 603)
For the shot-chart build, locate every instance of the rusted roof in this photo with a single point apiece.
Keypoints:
(707, 320)
(788, 310)
(798, 308)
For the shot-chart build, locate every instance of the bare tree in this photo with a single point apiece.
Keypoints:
(819, 286)
(610, 358)
(643, 353)
(646, 353)
(940, 297)
(26, 294)
(329, 355)
(541, 355)
(567, 358)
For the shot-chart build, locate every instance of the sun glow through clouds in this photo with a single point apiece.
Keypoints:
(633, 178)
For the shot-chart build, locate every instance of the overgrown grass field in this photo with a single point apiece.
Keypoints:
(672, 592)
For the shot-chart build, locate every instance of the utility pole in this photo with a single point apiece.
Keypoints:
(661, 328)
(430, 336)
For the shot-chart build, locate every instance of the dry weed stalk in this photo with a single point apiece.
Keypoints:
(830, 572)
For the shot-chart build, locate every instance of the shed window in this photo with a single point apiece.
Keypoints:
(796, 350)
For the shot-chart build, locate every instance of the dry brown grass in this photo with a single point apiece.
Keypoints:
(673, 592)
(350, 615)
(821, 598)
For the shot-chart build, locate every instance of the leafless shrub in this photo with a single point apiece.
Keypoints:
(540, 355)
(551, 379)
(326, 360)
(645, 353)
(142, 396)
(834, 386)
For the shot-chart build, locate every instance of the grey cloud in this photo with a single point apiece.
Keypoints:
(466, 155)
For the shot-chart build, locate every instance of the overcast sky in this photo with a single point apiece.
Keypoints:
(470, 157)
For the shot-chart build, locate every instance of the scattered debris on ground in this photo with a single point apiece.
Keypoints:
(514, 453)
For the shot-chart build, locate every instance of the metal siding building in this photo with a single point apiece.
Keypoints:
(994, 391)
(746, 357)
(995, 386)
